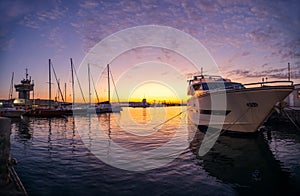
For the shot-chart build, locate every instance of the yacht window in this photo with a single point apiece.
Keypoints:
(298, 94)
(233, 85)
(213, 85)
(196, 86)
(222, 85)
(219, 85)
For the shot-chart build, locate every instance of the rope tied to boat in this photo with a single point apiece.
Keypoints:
(280, 109)
(293, 122)
(155, 127)
(249, 108)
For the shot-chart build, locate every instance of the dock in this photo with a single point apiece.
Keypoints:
(289, 109)
(286, 115)
(10, 183)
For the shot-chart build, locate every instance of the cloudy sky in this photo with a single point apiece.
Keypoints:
(247, 39)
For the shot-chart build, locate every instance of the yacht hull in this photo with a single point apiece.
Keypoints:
(244, 111)
(108, 108)
(45, 113)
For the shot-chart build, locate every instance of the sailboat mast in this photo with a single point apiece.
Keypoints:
(289, 72)
(95, 90)
(89, 78)
(33, 93)
(58, 84)
(73, 91)
(65, 92)
(108, 83)
(49, 83)
(11, 86)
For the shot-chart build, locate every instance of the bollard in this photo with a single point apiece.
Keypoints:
(5, 130)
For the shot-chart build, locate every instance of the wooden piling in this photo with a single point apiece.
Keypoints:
(10, 184)
(4, 150)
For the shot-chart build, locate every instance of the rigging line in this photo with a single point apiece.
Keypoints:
(294, 123)
(112, 78)
(95, 89)
(58, 85)
(79, 86)
(237, 119)
(171, 118)
(222, 131)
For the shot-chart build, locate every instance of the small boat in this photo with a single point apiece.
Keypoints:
(8, 109)
(50, 111)
(98, 108)
(12, 112)
(45, 113)
(107, 106)
(219, 103)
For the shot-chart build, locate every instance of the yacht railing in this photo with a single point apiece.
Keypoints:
(271, 83)
(242, 86)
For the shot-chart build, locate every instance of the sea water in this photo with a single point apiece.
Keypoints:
(150, 151)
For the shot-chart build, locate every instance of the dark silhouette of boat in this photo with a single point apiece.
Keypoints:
(45, 113)
(98, 108)
(49, 112)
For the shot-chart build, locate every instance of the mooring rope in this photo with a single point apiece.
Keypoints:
(155, 127)
(294, 123)
(237, 119)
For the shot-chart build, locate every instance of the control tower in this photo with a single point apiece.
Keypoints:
(24, 88)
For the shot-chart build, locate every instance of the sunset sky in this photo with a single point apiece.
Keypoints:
(248, 40)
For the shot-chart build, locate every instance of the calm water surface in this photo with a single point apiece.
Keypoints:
(60, 156)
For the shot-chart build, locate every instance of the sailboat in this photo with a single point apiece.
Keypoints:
(106, 106)
(100, 107)
(77, 109)
(50, 111)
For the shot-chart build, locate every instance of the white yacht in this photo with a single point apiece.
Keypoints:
(219, 103)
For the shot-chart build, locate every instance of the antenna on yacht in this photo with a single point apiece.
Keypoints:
(201, 71)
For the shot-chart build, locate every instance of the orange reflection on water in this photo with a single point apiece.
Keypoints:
(143, 128)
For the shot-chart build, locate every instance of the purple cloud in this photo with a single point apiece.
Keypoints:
(89, 4)
(278, 73)
(258, 34)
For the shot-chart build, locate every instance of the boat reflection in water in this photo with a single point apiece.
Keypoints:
(247, 163)
(22, 127)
